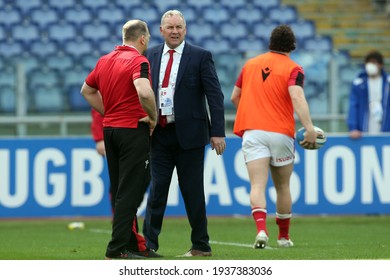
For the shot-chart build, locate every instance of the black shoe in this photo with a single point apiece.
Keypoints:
(148, 253)
(126, 255)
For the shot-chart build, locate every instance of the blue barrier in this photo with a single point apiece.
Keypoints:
(55, 177)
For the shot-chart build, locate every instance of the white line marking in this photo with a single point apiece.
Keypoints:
(95, 230)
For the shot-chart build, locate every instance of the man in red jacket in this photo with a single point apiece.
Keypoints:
(137, 241)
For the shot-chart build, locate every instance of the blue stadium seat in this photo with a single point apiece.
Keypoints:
(7, 99)
(233, 29)
(230, 60)
(4, 33)
(111, 15)
(126, 4)
(348, 73)
(11, 47)
(62, 31)
(75, 76)
(44, 16)
(78, 47)
(27, 6)
(48, 99)
(30, 62)
(283, 14)
(251, 46)
(318, 44)
(199, 30)
(200, 4)
(189, 12)
(266, 5)
(10, 16)
(60, 61)
(62, 4)
(109, 44)
(43, 76)
(43, 47)
(234, 5)
(146, 12)
(303, 29)
(78, 15)
(89, 61)
(215, 13)
(166, 5)
(96, 31)
(217, 44)
(76, 101)
(7, 77)
(26, 32)
(248, 14)
(95, 5)
(263, 29)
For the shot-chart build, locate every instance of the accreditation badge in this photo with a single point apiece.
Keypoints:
(166, 101)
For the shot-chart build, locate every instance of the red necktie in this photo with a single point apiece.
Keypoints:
(163, 119)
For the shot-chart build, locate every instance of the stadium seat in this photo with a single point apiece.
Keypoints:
(217, 44)
(27, 6)
(303, 29)
(62, 4)
(78, 15)
(62, 31)
(7, 77)
(189, 11)
(26, 32)
(112, 15)
(263, 29)
(75, 76)
(348, 73)
(95, 31)
(233, 29)
(251, 46)
(318, 44)
(215, 13)
(200, 4)
(126, 4)
(108, 45)
(10, 16)
(248, 14)
(95, 5)
(266, 5)
(193, 30)
(89, 61)
(283, 14)
(3, 33)
(43, 47)
(43, 76)
(7, 99)
(44, 16)
(29, 61)
(76, 101)
(78, 47)
(48, 99)
(146, 12)
(166, 5)
(11, 47)
(60, 61)
(230, 60)
(234, 5)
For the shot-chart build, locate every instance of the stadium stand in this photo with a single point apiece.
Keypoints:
(60, 41)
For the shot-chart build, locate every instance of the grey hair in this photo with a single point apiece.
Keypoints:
(172, 13)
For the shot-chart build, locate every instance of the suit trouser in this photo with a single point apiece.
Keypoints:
(127, 151)
(165, 156)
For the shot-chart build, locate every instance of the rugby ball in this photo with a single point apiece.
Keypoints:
(321, 139)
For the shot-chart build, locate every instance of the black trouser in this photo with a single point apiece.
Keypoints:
(127, 151)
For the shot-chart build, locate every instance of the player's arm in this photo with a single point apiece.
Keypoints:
(93, 97)
(236, 95)
(147, 100)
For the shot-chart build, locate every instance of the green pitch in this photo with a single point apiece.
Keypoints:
(315, 238)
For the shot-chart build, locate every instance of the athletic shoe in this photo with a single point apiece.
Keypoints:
(125, 255)
(283, 242)
(261, 240)
(196, 253)
(148, 253)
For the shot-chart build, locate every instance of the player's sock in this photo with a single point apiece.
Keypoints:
(260, 217)
(283, 222)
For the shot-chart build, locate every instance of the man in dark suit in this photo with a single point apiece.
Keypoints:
(183, 77)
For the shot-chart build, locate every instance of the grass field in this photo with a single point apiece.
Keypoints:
(315, 238)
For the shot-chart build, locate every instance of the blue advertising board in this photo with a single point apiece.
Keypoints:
(64, 177)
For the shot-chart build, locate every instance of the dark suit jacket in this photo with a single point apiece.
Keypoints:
(196, 79)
